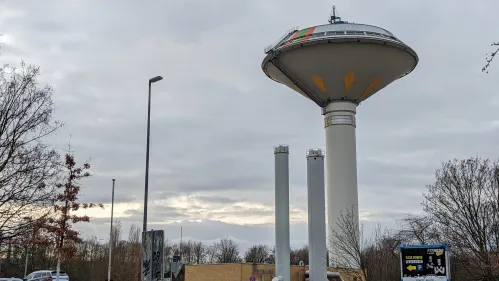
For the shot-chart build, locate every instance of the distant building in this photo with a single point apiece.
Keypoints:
(243, 271)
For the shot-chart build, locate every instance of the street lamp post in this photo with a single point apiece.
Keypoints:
(26, 257)
(111, 235)
(146, 187)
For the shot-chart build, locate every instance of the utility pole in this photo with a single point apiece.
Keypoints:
(181, 251)
(111, 235)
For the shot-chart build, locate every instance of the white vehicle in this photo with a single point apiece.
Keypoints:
(46, 275)
(11, 279)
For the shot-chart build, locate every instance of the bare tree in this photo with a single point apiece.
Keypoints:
(198, 250)
(298, 255)
(381, 256)
(419, 230)
(186, 252)
(347, 246)
(490, 57)
(227, 251)
(211, 254)
(257, 254)
(134, 251)
(370, 258)
(271, 257)
(463, 201)
(169, 250)
(27, 166)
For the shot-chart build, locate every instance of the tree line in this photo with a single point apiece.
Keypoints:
(91, 257)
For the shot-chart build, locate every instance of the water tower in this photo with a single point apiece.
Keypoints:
(338, 66)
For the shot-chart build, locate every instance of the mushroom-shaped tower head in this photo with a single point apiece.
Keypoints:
(338, 61)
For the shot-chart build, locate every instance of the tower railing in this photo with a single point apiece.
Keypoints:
(287, 34)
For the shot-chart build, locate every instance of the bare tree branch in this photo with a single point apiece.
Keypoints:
(463, 202)
(419, 230)
(371, 258)
(346, 246)
(28, 167)
(490, 57)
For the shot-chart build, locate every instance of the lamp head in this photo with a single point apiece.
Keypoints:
(155, 79)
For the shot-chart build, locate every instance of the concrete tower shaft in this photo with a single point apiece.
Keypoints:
(341, 163)
(282, 249)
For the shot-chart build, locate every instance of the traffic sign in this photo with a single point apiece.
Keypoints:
(252, 277)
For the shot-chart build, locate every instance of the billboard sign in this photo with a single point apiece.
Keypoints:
(152, 255)
(424, 262)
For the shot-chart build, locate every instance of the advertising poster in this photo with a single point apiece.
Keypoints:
(152, 255)
(424, 263)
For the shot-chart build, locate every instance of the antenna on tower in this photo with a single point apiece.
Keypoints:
(333, 18)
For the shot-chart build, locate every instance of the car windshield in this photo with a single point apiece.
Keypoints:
(29, 276)
(61, 273)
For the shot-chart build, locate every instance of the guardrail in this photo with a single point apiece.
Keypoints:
(272, 46)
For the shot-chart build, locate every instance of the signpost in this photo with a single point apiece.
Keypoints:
(152, 255)
(252, 277)
(425, 262)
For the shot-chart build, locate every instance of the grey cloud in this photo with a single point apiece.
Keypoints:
(48, 26)
(216, 199)
(99, 194)
(132, 213)
(403, 175)
(243, 212)
(155, 214)
(387, 216)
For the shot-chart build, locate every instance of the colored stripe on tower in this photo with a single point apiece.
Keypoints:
(299, 37)
(292, 38)
(307, 33)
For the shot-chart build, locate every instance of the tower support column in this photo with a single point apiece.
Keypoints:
(317, 247)
(282, 243)
(341, 164)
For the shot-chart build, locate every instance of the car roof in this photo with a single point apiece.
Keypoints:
(48, 271)
(42, 271)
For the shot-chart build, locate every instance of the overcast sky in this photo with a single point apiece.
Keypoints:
(216, 116)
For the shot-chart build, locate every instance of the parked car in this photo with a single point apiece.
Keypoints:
(46, 275)
(10, 279)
